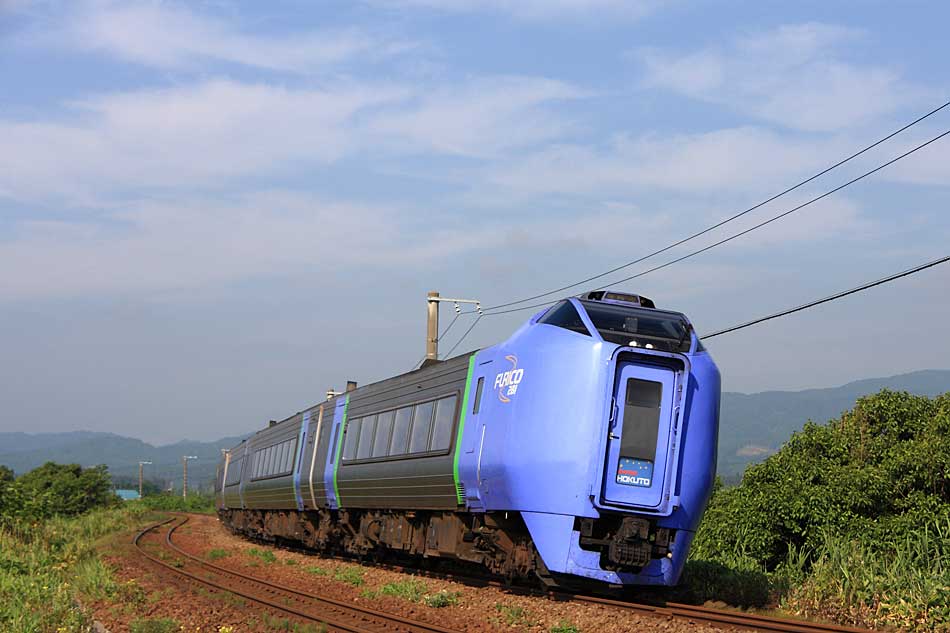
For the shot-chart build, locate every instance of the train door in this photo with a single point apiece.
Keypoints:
(638, 445)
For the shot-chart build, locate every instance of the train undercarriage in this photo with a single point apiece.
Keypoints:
(498, 543)
(495, 543)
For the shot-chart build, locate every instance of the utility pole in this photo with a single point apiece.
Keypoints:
(432, 326)
(432, 321)
(140, 477)
(184, 478)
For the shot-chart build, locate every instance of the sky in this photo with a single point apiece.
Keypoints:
(212, 212)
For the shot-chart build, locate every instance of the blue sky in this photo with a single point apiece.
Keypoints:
(212, 212)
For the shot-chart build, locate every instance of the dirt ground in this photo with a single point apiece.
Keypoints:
(146, 593)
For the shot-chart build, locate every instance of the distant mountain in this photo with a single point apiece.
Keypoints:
(24, 451)
(753, 426)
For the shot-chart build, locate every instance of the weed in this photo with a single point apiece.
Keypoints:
(441, 599)
(349, 575)
(290, 561)
(217, 554)
(157, 625)
(265, 555)
(318, 571)
(514, 615)
(412, 589)
(563, 626)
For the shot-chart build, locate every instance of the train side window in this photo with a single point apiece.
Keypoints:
(288, 461)
(268, 460)
(478, 394)
(400, 431)
(351, 438)
(421, 424)
(282, 460)
(444, 421)
(368, 430)
(384, 430)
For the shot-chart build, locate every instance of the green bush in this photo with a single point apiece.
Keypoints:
(167, 502)
(54, 489)
(848, 520)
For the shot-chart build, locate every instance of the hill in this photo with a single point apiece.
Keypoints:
(753, 426)
(24, 451)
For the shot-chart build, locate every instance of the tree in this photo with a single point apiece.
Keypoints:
(67, 488)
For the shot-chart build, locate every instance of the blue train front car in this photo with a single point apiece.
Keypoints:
(582, 448)
(597, 421)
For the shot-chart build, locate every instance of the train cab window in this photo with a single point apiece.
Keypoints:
(421, 424)
(444, 421)
(401, 431)
(351, 438)
(641, 419)
(478, 395)
(365, 447)
(564, 315)
(384, 430)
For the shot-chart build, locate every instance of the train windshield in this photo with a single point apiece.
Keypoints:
(639, 327)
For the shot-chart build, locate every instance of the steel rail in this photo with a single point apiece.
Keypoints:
(721, 617)
(337, 614)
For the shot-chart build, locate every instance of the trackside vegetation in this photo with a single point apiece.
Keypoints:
(849, 521)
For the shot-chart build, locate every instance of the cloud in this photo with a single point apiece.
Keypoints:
(481, 117)
(534, 9)
(171, 36)
(183, 136)
(209, 133)
(735, 160)
(794, 75)
(191, 242)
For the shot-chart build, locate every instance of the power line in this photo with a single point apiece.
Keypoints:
(757, 226)
(727, 220)
(467, 332)
(833, 297)
(444, 332)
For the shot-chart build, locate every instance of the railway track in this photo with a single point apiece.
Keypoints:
(692, 613)
(335, 614)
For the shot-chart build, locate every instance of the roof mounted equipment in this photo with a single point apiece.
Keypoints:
(611, 296)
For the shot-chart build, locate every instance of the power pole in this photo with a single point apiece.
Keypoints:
(432, 321)
(432, 326)
(184, 474)
(141, 464)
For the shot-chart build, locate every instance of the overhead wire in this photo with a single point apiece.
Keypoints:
(444, 332)
(467, 332)
(753, 228)
(722, 222)
(837, 295)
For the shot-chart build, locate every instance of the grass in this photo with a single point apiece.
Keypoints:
(318, 571)
(564, 626)
(217, 554)
(44, 565)
(441, 599)
(350, 575)
(412, 589)
(902, 582)
(514, 616)
(265, 555)
(154, 625)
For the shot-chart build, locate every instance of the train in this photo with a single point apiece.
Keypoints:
(582, 449)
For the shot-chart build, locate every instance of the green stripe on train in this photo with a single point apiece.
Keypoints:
(458, 440)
